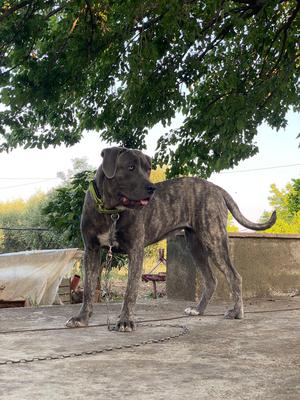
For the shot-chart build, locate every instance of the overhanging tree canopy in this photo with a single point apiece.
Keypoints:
(120, 67)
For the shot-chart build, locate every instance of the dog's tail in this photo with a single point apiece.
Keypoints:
(233, 208)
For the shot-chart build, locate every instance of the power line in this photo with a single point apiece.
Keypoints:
(260, 169)
(22, 184)
(28, 179)
(41, 180)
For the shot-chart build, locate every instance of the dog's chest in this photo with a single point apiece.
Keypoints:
(108, 239)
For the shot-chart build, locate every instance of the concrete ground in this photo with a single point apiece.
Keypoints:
(254, 358)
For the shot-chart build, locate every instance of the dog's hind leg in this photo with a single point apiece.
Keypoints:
(91, 263)
(209, 281)
(219, 255)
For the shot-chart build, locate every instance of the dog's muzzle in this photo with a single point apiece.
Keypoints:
(127, 202)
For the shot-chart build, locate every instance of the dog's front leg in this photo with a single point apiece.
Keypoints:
(126, 320)
(91, 264)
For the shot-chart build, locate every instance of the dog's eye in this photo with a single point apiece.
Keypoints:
(131, 167)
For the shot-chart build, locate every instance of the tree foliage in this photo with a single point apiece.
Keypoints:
(286, 202)
(16, 215)
(294, 197)
(231, 227)
(64, 205)
(119, 67)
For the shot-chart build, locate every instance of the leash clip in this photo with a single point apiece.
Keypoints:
(115, 217)
(109, 254)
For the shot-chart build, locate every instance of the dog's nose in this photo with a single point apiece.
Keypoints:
(150, 189)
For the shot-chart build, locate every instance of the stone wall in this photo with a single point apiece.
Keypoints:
(269, 265)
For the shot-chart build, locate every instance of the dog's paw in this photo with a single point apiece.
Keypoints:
(234, 314)
(76, 322)
(125, 325)
(192, 311)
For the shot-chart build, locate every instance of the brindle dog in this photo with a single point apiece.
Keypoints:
(148, 213)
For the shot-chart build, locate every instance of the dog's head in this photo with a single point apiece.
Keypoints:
(125, 178)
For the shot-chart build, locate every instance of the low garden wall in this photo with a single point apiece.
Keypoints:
(269, 265)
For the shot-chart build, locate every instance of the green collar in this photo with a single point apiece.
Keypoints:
(99, 202)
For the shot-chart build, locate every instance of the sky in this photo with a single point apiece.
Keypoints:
(24, 172)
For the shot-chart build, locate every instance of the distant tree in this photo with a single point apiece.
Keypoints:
(119, 67)
(20, 214)
(11, 216)
(285, 201)
(231, 227)
(294, 197)
(79, 164)
(63, 208)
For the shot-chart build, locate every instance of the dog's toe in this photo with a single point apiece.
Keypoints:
(75, 323)
(234, 314)
(191, 311)
(121, 328)
(125, 326)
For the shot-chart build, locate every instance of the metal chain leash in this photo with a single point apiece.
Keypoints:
(108, 265)
(183, 331)
(107, 288)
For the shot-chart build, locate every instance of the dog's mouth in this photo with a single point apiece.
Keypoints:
(125, 201)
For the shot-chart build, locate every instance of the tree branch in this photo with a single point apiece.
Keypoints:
(6, 12)
(55, 11)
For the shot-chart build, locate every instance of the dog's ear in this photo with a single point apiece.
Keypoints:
(149, 161)
(109, 164)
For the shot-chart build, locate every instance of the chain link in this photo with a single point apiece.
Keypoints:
(183, 331)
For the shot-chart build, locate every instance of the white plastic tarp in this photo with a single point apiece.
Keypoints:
(35, 276)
